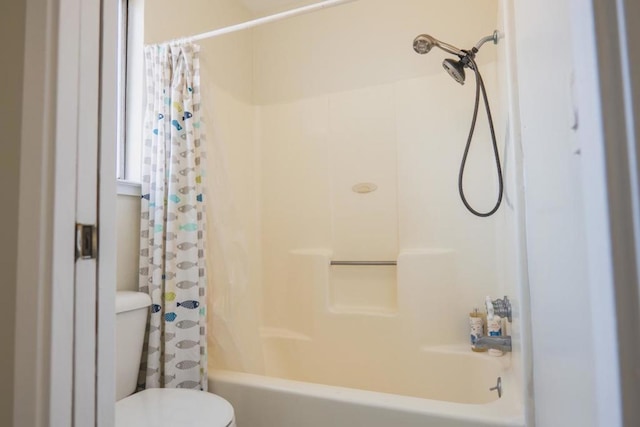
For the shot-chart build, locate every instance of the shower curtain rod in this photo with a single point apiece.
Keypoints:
(265, 20)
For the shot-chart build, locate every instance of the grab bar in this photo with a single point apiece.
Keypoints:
(364, 263)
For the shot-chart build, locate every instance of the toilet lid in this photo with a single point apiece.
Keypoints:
(172, 408)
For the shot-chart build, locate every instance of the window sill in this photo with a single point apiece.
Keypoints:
(128, 188)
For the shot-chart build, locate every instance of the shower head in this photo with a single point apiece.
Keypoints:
(455, 69)
(424, 43)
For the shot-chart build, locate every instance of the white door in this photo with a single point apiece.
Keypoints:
(56, 345)
(106, 274)
(73, 305)
(74, 311)
(94, 339)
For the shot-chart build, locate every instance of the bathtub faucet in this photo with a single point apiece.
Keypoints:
(502, 343)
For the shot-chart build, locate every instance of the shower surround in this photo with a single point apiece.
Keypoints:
(356, 107)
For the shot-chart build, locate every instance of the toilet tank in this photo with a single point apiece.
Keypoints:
(132, 309)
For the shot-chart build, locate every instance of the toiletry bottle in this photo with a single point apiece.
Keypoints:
(494, 329)
(476, 326)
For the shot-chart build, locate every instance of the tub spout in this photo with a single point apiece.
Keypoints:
(502, 343)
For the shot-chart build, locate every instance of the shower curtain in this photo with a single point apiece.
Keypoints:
(172, 232)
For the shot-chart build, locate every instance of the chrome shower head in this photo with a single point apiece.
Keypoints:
(455, 69)
(423, 44)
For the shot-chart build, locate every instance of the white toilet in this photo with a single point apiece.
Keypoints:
(155, 407)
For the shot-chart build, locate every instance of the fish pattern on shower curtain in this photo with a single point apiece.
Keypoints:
(172, 232)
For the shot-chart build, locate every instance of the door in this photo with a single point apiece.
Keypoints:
(56, 346)
(94, 334)
(94, 303)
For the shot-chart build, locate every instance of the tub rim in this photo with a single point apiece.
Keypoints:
(506, 411)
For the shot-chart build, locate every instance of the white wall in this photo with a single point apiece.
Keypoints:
(128, 242)
(560, 307)
(361, 50)
(12, 27)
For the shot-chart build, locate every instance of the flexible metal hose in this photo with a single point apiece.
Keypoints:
(480, 88)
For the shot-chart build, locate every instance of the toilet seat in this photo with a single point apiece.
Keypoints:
(174, 407)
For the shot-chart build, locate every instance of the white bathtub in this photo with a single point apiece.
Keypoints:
(262, 401)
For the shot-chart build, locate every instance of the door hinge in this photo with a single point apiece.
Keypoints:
(86, 241)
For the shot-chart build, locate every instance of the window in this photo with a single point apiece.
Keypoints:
(130, 92)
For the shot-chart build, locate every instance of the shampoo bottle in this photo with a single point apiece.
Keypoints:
(494, 329)
(476, 326)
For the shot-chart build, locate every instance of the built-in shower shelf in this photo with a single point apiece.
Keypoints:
(362, 289)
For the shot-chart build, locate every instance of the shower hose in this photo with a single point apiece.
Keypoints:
(480, 88)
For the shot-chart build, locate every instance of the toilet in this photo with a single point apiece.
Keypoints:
(155, 407)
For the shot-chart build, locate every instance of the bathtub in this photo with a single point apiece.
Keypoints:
(456, 398)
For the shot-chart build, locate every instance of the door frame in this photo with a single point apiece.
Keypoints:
(107, 226)
(60, 126)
